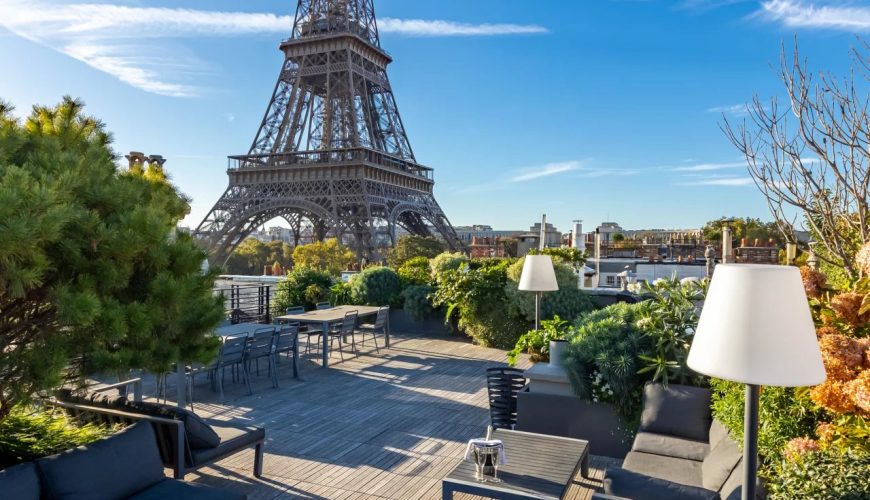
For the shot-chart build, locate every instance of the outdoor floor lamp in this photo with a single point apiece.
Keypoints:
(756, 329)
(538, 276)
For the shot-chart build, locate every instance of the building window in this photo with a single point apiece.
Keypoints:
(611, 280)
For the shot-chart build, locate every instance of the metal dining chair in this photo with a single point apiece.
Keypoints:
(380, 325)
(286, 342)
(323, 305)
(260, 345)
(232, 354)
(345, 329)
(210, 369)
(306, 330)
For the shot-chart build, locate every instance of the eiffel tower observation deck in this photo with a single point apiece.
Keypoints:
(331, 156)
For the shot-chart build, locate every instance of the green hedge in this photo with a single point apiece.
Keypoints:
(828, 474)
(303, 287)
(376, 286)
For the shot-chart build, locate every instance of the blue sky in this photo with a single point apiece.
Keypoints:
(592, 109)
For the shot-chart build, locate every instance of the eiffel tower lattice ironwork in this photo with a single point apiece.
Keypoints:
(331, 153)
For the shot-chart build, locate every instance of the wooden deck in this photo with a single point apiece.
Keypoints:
(386, 425)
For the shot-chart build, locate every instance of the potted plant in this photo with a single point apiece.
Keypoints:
(543, 345)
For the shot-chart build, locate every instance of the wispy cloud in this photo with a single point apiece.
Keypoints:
(720, 181)
(734, 110)
(574, 168)
(709, 174)
(419, 27)
(709, 4)
(707, 167)
(826, 15)
(109, 37)
(547, 170)
(608, 172)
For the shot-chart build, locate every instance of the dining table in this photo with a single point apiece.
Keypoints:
(326, 318)
(239, 329)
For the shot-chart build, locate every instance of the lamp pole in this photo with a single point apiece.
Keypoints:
(750, 441)
(538, 295)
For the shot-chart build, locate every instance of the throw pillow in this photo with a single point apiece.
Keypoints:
(717, 466)
(199, 434)
(676, 410)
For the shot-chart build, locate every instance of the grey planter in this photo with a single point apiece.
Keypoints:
(570, 416)
(401, 322)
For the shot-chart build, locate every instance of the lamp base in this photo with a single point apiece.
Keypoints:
(750, 441)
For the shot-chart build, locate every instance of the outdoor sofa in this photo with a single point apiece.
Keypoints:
(184, 440)
(679, 452)
(124, 465)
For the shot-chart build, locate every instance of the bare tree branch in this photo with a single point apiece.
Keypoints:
(814, 157)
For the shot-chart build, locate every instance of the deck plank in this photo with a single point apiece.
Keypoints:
(388, 425)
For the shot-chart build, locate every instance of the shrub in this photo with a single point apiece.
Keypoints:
(303, 287)
(416, 301)
(786, 413)
(414, 272)
(669, 318)
(29, 433)
(475, 294)
(341, 294)
(446, 262)
(568, 302)
(825, 474)
(603, 357)
(376, 286)
(494, 328)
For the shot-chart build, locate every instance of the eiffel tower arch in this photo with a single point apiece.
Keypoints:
(331, 153)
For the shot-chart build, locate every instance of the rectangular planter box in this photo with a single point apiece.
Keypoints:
(570, 416)
(402, 323)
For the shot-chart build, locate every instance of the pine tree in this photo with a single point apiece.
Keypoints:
(94, 276)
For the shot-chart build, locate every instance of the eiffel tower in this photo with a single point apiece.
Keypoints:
(331, 156)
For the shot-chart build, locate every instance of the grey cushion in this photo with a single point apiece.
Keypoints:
(673, 469)
(114, 467)
(677, 410)
(173, 488)
(232, 438)
(199, 434)
(670, 446)
(20, 482)
(717, 432)
(97, 399)
(719, 463)
(733, 487)
(636, 486)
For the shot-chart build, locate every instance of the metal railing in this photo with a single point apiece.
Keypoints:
(247, 303)
(331, 157)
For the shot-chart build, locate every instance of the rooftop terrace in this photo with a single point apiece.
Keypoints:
(388, 425)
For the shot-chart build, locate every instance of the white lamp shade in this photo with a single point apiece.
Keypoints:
(538, 274)
(756, 328)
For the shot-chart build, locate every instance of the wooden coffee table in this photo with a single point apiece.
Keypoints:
(538, 466)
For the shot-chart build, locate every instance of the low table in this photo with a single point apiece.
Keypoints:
(538, 467)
